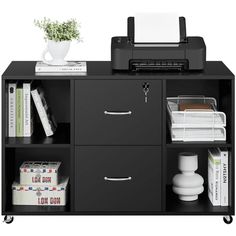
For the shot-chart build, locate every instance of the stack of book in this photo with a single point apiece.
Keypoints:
(218, 176)
(20, 110)
(40, 185)
(71, 68)
(20, 116)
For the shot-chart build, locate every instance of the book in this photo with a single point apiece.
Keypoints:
(11, 100)
(6, 111)
(224, 176)
(44, 112)
(61, 73)
(214, 164)
(27, 110)
(19, 110)
(72, 66)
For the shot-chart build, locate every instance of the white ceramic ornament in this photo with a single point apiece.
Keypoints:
(188, 184)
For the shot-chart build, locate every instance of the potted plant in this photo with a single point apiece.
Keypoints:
(58, 35)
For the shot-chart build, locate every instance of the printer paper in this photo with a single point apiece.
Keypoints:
(156, 28)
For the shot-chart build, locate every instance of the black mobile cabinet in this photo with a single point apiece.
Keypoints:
(96, 145)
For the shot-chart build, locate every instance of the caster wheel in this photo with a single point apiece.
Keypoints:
(228, 219)
(8, 219)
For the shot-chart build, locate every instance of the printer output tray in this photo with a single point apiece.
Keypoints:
(158, 64)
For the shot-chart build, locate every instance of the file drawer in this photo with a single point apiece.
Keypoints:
(118, 178)
(114, 112)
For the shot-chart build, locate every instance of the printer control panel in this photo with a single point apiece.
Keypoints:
(122, 41)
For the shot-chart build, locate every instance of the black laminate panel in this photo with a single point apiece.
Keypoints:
(140, 126)
(141, 193)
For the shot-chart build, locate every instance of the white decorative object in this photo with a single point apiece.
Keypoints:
(188, 185)
(39, 173)
(58, 51)
(42, 195)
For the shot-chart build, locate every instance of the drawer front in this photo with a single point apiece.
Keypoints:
(115, 112)
(118, 179)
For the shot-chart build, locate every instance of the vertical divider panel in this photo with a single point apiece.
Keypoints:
(72, 144)
(3, 145)
(232, 158)
(164, 153)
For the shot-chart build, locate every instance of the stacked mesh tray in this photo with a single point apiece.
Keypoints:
(195, 124)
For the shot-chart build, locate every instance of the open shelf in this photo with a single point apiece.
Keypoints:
(197, 144)
(15, 156)
(61, 138)
(57, 95)
(219, 89)
(202, 206)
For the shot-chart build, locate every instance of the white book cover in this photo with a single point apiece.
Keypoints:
(214, 164)
(41, 111)
(224, 176)
(72, 66)
(47, 119)
(12, 109)
(27, 110)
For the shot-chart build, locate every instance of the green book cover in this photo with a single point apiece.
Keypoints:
(19, 111)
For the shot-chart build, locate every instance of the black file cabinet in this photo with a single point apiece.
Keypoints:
(113, 140)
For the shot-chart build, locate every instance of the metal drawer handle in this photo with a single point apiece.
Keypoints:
(117, 113)
(117, 178)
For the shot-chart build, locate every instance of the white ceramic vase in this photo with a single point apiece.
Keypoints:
(58, 51)
(188, 185)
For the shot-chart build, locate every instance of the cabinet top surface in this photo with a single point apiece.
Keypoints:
(102, 70)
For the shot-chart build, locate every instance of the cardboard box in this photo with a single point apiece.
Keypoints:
(39, 173)
(40, 195)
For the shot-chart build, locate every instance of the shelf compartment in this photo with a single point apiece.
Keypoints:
(16, 156)
(219, 89)
(58, 97)
(202, 206)
(61, 138)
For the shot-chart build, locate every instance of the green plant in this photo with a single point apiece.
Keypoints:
(57, 31)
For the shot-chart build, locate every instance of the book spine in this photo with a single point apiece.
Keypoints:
(6, 111)
(224, 178)
(12, 109)
(42, 113)
(210, 181)
(217, 182)
(214, 178)
(27, 109)
(19, 112)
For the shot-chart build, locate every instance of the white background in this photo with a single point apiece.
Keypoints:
(100, 20)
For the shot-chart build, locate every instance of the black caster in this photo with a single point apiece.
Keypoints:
(228, 219)
(8, 219)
